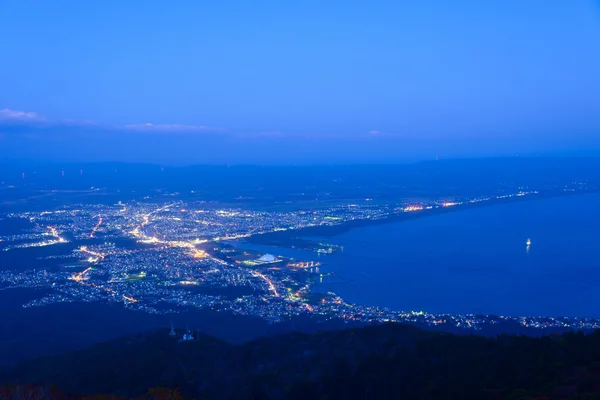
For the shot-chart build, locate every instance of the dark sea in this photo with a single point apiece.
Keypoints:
(475, 261)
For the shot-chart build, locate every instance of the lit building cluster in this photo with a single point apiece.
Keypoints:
(165, 258)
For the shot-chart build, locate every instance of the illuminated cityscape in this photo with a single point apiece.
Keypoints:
(184, 255)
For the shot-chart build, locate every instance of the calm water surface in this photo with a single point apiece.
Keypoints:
(477, 261)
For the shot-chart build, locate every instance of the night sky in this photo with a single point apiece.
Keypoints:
(306, 82)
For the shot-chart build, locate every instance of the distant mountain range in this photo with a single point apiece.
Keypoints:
(269, 184)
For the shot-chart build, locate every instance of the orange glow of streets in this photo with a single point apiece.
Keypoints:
(413, 208)
(199, 254)
(191, 245)
(272, 287)
(96, 227)
(54, 233)
(184, 245)
(79, 277)
(145, 221)
(196, 253)
(84, 249)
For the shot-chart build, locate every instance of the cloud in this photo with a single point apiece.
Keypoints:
(171, 128)
(8, 114)
(16, 118)
(20, 123)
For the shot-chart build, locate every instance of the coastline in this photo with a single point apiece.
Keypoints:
(556, 264)
(297, 238)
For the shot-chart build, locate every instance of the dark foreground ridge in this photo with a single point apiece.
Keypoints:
(376, 362)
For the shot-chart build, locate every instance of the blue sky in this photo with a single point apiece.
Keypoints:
(297, 82)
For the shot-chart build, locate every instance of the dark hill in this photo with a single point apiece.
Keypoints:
(376, 362)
